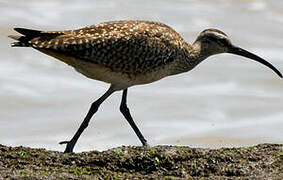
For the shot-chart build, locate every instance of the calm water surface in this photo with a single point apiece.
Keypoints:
(226, 101)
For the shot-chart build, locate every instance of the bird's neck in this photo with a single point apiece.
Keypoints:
(194, 55)
(187, 58)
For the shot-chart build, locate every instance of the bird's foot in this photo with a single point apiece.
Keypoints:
(145, 144)
(69, 147)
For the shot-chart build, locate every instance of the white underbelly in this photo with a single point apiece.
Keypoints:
(118, 79)
(101, 73)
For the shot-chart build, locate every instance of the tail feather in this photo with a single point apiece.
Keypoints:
(23, 41)
(28, 32)
(28, 35)
(20, 42)
(15, 37)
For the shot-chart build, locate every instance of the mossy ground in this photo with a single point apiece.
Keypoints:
(263, 161)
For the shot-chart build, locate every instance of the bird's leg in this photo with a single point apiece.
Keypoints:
(126, 112)
(93, 108)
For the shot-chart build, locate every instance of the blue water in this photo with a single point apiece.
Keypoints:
(226, 101)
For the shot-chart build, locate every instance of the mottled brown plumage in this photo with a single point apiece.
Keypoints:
(127, 53)
(132, 50)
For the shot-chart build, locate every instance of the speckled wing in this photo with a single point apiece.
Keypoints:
(122, 46)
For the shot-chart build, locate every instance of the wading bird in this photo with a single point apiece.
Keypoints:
(127, 53)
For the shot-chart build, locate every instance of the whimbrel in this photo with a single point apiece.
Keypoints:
(128, 53)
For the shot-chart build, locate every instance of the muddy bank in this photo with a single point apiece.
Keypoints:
(160, 162)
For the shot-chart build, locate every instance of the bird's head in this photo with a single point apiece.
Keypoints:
(213, 41)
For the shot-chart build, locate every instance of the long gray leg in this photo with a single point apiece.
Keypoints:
(126, 112)
(93, 108)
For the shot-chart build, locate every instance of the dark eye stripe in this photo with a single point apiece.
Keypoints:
(224, 42)
(218, 40)
(212, 38)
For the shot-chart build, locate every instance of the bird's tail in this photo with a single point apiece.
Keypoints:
(27, 35)
(24, 40)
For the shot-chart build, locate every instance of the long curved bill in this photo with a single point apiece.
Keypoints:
(247, 54)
